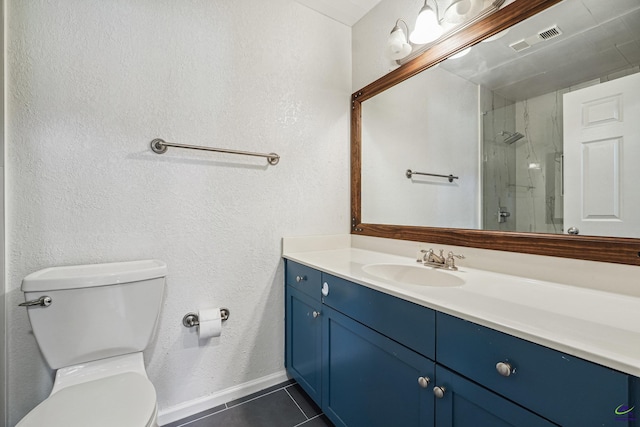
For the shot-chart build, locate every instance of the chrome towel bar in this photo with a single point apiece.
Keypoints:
(410, 173)
(160, 146)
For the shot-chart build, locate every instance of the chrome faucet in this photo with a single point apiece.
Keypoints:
(429, 258)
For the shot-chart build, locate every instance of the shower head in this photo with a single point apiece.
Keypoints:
(511, 137)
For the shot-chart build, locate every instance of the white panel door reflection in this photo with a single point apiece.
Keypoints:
(601, 159)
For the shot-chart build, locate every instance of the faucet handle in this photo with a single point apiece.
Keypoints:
(451, 262)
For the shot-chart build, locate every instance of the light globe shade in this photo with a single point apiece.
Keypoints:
(397, 46)
(427, 28)
(461, 53)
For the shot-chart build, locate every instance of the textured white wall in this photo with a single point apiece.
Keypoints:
(91, 83)
(369, 39)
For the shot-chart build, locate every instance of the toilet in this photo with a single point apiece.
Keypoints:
(92, 323)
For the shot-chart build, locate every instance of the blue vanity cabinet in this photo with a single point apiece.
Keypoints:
(303, 328)
(466, 404)
(377, 360)
(371, 359)
(370, 380)
(412, 325)
(562, 388)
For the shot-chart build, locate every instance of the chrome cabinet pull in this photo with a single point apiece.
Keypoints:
(505, 369)
(315, 314)
(43, 301)
(439, 392)
(301, 278)
(424, 382)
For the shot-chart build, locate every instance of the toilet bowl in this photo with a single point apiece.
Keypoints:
(104, 393)
(101, 379)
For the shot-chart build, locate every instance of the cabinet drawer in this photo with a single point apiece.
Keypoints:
(562, 388)
(405, 322)
(303, 278)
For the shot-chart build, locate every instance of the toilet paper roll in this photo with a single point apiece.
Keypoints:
(210, 323)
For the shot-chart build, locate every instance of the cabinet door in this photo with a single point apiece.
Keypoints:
(303, 355)
(466, 404)
(370, 380)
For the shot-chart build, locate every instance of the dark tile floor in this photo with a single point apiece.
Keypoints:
(283, 405)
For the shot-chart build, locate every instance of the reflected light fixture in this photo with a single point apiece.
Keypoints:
(427, 27)
(461, 53)
(397, 45)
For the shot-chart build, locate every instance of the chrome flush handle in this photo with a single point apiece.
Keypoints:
(43, 301)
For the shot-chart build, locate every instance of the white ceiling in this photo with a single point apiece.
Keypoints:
(346, 11)
(599, 38)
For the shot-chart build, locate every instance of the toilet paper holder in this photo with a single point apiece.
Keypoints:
(191, 319)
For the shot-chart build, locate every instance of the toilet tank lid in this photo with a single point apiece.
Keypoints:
(90, 275)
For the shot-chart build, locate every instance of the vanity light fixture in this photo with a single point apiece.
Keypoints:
(428, 26)
(398, 46)
(459, 15)
(461, 53)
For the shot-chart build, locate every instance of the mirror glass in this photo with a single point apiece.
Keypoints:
(530, 131)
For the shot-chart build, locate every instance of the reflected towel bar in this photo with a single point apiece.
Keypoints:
(160, 146)
(410, 173)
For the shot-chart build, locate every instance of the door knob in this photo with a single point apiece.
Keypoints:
(424, 382)
(505, 369)
(438, 392)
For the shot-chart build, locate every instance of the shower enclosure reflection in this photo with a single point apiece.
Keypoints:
(522, 179)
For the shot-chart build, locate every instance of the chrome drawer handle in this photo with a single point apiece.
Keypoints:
(424, 382)
(44, 301)
(439, 392)
(316, 314)
(301, 278)
(505, 369)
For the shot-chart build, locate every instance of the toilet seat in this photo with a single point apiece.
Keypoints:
(123, 400)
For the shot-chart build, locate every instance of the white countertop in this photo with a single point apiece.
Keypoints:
(596, 325)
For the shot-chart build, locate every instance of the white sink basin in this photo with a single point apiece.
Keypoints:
(413, 275)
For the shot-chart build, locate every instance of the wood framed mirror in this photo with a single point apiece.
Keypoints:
(622, 250)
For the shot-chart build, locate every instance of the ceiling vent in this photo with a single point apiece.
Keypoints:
(550, 33)
(520, 46)
(541, 36)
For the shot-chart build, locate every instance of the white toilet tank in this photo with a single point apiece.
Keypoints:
(96, 311)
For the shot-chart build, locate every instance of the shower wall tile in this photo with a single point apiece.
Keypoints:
(498, 161)
(540, 120)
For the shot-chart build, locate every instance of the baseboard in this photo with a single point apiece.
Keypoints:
(192, 407)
